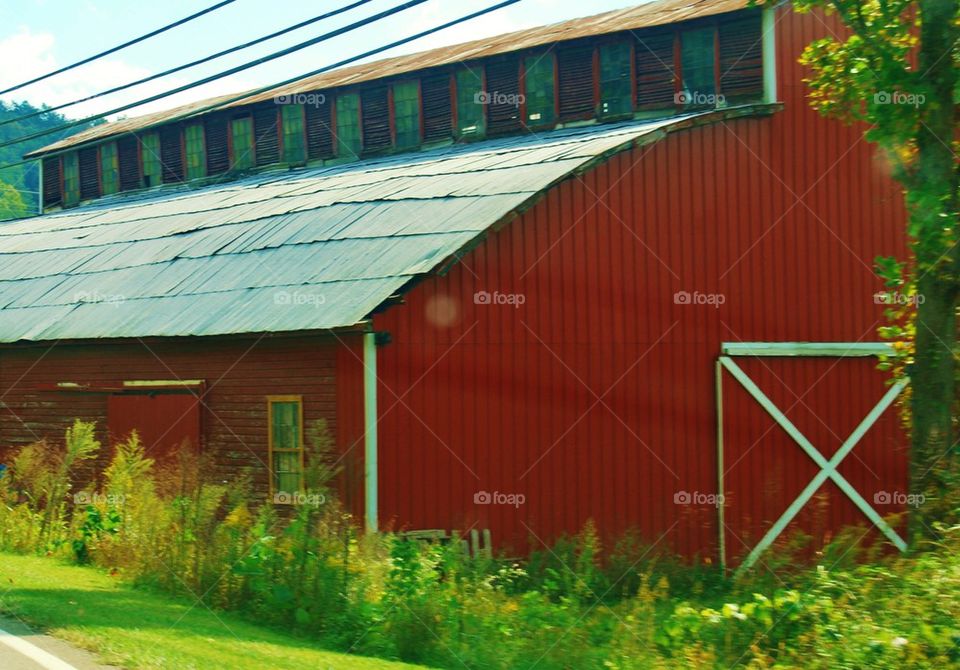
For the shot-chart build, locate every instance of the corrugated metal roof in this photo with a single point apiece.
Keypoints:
(309, 249)
(646, 15)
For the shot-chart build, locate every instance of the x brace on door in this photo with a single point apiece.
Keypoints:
(828, 468)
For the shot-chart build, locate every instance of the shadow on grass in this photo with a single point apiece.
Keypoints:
(127, 608)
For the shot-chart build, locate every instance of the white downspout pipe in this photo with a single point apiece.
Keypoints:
(370, 430)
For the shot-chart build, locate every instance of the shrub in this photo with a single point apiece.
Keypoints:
(309, 570)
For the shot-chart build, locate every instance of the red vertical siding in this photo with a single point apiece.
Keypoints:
(595, 398)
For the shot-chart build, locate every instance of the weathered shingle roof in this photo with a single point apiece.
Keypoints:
(310, 249)
(647, 15)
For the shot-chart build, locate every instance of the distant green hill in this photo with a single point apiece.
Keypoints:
(26, 178)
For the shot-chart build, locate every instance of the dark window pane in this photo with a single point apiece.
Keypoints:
(71, 178)
(349, 144)
(294, 144)
(196, 151)
(241, 133)
(470, 101)
(697, 67)
(616, 91)
(286, 425)
(109, 169)
(406, 114)
(150, 151)
(539, 90)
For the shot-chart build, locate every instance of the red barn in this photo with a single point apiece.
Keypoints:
(611, 269)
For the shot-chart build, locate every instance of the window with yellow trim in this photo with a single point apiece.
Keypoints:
(285, 418)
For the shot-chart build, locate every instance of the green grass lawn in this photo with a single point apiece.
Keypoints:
(136, 629)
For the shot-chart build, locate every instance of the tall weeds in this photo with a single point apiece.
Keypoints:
(306, 568)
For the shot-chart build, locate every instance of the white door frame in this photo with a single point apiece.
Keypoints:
(828, 468)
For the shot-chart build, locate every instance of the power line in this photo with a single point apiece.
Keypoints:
(186, 66)
(119, 47)
(292, 80)
(219, 75)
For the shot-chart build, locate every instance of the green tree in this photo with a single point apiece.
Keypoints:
(12, 205)
(19, 119)
(896, 70)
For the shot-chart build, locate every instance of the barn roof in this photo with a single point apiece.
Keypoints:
(646, 15)
(285, 251)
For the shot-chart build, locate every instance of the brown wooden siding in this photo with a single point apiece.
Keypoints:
(319, 127)
(215, 136)
(89, 173)
(741, 58)
(266, 132)
(656, 69)
(575, 82)
(239, 374)
(437, 109)
(52, 182)
(171, 154)
(128, 160)
(503, 91)
(375, 113)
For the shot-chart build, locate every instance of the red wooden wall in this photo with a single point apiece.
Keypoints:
(595, 399)
(239, 374)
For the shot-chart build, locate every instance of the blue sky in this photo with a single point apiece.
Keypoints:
(37, 36)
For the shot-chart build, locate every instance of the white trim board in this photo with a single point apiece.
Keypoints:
(826, 349)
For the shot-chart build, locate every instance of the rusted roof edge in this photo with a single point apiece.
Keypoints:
(670, 12)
